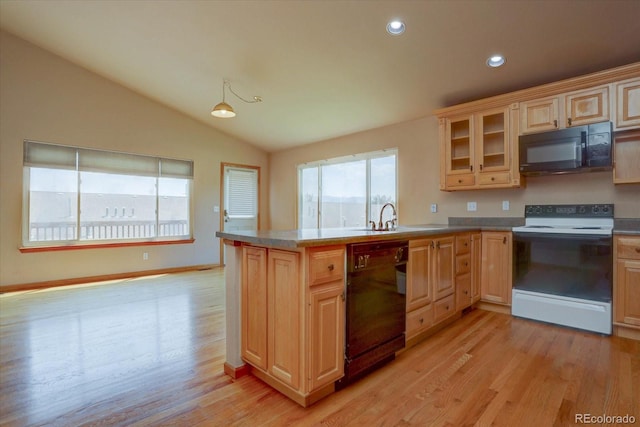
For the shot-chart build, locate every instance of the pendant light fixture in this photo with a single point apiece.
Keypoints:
(224, 110)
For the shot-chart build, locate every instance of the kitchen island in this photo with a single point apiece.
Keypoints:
(285, 298)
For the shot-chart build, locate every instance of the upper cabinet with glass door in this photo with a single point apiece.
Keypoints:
(478, 150)
(459, 150)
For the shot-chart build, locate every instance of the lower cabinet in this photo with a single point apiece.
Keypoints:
(496, 267)
(293, 323)
(626, 288)
(441, 280)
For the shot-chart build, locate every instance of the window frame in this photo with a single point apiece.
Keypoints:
(78, 243)
(368, 156)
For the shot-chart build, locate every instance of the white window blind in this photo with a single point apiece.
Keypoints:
(242, 192)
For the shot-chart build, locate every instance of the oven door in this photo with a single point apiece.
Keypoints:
(570, 265)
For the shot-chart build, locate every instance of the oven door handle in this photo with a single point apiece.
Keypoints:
(591, 238)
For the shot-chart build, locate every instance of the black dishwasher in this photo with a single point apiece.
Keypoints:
(376, 306)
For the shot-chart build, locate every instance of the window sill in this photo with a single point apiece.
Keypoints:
(30, 249)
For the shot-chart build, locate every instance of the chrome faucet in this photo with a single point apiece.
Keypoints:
(393, 222)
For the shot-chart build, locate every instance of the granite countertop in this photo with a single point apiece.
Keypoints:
(626, 226)
(341, 236)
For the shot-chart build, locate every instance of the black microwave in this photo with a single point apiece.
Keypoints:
(577, 149)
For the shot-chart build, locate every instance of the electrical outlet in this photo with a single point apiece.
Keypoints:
(505, 205)
(472, 206)
(145, 256)
(434, 208)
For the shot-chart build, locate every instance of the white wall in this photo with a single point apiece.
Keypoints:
(45, 98)
(418, 181)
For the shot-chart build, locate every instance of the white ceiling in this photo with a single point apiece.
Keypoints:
(327, 68)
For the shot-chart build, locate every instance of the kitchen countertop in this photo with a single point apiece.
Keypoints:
(341, 236)
(626, 226)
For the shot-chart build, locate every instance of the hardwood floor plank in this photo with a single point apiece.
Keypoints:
(150, 352)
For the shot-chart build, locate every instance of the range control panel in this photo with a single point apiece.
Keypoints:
(569, 211)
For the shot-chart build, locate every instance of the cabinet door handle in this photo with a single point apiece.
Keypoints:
(421, 320)
(493, 178)
(466, 264)
(466, 292)
(480, 166)
(471, 168)
(638, 250)
(504, 240)
(330, 267)
(555, 123)
(438, 245)
(342, 296)
(569, 121)
(446, 308)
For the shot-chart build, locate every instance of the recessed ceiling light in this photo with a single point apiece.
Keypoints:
(495, 61)
(395, 27)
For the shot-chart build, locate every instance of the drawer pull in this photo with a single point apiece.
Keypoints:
(459, 181)
(446, 308)
(493, 178)
(330, 267)
(421, 320)
(466, 292)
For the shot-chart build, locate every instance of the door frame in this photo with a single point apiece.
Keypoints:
(224, 165)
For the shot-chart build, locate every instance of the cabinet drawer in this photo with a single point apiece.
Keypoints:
(326, 265)
(494, 178)
(628, 248)
(463, 243)
(466, 180)
(443, 308)
(463, 291)
(463, 264)
(419, 320)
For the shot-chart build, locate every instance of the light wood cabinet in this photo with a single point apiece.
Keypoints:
(495, 270)
(626, 157)
(283, 318)
(587, 106)
(626, 289)
(293, 323)
(326, 334)
(443, 267)
(254, 306)
(419, 292)
(430, 278)
(477, 150)
(539, 115)
(476, 258)
(565, 110)
(628, 104)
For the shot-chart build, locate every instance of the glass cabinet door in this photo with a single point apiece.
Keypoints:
(460, 145)
(493, 140)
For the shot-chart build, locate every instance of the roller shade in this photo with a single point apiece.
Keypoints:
(45, 155)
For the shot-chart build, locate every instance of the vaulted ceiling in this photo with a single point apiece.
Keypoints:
(327, 68)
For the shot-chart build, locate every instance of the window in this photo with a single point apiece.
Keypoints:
(346, 192)
(79, 195)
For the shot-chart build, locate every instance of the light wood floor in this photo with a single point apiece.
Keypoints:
(150, 351)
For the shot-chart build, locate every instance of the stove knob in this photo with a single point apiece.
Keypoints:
(582, 209)
(549, 209)
(538, 210)
(605, 209)
(596, 209)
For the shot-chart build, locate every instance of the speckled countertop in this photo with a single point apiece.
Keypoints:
(341, 236)
(628, 226)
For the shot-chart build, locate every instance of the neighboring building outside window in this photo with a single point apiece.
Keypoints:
(76, 195)
(346, 192)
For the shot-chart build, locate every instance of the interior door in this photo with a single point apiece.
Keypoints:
(240, 199)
